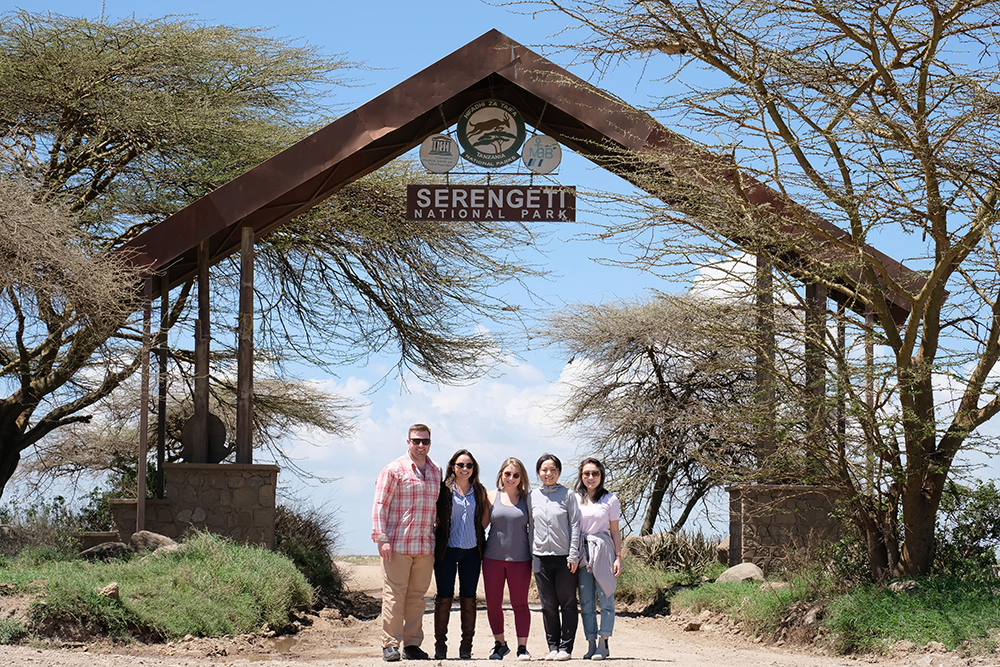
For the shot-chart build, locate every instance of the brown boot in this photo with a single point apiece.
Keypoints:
(442, 610)
(467, 607)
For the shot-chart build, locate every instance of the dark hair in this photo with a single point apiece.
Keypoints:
(449, 478)
(583, 490)
(548, 457)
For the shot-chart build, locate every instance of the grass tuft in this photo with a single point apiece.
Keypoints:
(11, 631)
(210, 587)
(954, 612)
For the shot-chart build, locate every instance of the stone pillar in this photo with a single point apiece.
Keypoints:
(775, 520)
(237, 501)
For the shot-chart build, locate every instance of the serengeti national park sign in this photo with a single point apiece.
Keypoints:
(490, 202)
(490, 133)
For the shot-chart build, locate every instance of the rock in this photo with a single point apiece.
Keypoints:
(145, 540)
(8, 533)
(909, 587)
(776, 586)
(722, 551)
(106, 551)
(163, 551)
(110, 591)
(813, 616)
(934, 647)
(741, 572)
(691, 626)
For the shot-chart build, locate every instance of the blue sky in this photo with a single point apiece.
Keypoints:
(508, 412)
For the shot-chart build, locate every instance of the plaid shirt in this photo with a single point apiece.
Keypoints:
(405, 509)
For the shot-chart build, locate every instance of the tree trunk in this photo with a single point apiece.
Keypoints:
(663, 478)
(10, 457)
(921, 498)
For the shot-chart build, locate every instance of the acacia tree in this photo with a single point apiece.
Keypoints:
(881, 117)
(126, 122)
(656, 392)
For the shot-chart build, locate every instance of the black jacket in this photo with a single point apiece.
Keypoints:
(443, 530)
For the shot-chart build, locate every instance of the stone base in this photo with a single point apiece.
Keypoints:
(767, 522)
(235, 500)
(93, 538)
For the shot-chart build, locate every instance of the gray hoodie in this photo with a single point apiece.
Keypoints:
(554, 522)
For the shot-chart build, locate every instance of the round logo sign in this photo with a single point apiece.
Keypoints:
(491, 132)
(438, 154)
(541, 154)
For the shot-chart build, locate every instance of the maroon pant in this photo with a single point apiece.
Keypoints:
(517, 575)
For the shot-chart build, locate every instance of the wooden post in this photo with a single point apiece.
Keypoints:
(870, 390)
(244, 372)
(815, 370)
(841, 380)
(764, 380)
(161, 402)
(147, 316)
(203, 334)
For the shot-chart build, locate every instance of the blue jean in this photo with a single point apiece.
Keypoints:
(592, 601)
(463, 561)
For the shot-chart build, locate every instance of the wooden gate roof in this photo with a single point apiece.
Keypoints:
(586, 119)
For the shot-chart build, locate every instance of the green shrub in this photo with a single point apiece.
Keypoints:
(689, 552)
(644, 583)
(951, 611)
(968, 528)
(308, 538)
(11, 631)
(40, 524)
(210, 587)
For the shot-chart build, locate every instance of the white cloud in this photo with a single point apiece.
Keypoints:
(496, 417)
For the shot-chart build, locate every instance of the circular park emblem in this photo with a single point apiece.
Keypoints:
(491, 132)
(541, 154)
(438, 154)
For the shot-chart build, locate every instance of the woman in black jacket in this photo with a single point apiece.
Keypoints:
(459, 542)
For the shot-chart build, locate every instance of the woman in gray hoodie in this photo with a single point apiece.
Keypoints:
(555, 556)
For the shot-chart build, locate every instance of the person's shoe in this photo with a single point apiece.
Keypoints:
(552, 655)
(591, 649)
(562, 655)
(522, 652)
(500, 649)
(390, 654)
(602, 649)
(414, 653)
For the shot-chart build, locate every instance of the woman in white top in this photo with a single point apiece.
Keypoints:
(601, 540)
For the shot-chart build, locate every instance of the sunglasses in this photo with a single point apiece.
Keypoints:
(421, 441)
(465, 466)
(591, 473)
(512, 475)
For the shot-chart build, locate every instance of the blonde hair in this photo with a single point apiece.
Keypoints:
(523, 487)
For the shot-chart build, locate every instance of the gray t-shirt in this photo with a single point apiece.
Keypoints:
(508, 538)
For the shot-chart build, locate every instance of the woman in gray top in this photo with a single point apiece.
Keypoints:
(508, 557)
(555, 550)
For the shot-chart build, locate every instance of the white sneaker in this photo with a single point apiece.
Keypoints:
(552, 655)
(562, 655)
(522, 653)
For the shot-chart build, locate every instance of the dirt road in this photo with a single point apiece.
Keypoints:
(330, 640)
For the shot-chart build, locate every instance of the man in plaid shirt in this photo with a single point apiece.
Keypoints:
(403, 520)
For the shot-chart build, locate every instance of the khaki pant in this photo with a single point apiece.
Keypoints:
(405, 580)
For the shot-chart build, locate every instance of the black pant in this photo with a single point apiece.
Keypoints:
(557, 593)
